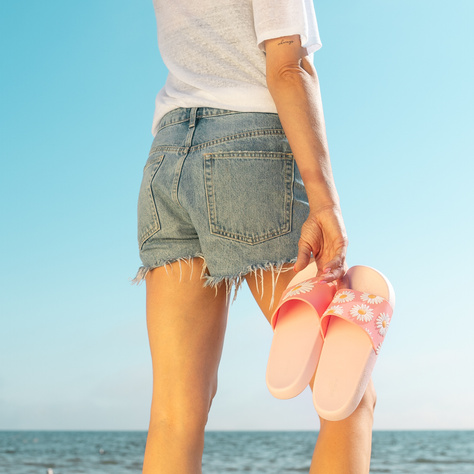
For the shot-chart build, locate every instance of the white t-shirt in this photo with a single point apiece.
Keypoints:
(214, 50)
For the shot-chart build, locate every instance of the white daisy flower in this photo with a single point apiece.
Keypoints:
(343, 296)
(371, 298)
(382, 322)
(362, 312)
(336, 309)
(368, 332)
(377, 350)
(303, 287)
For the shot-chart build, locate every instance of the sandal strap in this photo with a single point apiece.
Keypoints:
(318, 295)
(371, 312)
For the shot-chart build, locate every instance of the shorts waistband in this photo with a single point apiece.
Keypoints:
(182, 114)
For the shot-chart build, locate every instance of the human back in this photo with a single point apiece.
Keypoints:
(214, 51)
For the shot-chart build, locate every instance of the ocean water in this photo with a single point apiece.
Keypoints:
(121, 452)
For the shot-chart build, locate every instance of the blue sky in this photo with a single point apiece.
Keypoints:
(78, 83)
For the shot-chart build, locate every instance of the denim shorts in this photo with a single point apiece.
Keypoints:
(223, 186)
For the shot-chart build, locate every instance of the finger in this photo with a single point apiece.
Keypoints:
(303, 258)
(334, 269)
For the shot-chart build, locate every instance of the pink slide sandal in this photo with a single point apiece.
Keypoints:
(298, 336)
(358, 319)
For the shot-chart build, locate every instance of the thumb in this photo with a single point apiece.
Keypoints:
(304, 256)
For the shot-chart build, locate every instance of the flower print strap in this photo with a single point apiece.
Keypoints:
(318, 295)
(371, 312)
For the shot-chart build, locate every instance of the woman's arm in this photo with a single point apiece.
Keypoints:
(293, 83)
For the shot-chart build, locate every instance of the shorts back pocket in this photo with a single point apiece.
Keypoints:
(249, 194)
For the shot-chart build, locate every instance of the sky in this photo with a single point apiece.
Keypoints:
(78, 82)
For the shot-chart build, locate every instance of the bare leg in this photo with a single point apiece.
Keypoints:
(343, 447)
(186, 327)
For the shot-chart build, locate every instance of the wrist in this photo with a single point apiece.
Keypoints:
(321, 196)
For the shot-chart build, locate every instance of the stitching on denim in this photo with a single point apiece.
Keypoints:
(172, 123)
(253, 133)
(181, 149)
(250, 154)
(216, 229)
(199, 116)
(170, 148)
(156, 219)
(152, 162)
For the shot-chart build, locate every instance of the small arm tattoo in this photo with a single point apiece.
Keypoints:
(283, 42)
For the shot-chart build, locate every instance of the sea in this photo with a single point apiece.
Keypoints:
(275, 452)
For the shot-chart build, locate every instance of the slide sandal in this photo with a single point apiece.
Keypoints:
(358, 317)
(297, 337)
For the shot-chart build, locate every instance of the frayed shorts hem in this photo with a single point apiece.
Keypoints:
(234, 280)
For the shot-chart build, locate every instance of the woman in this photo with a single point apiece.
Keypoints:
(238, 185)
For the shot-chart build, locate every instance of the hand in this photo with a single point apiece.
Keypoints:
(324, 234)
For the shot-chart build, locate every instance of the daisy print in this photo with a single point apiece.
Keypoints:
(377, 350)
(344, 295)
(362, 313)
(336, 309)
(303, 287)
(382, 322)
(371, 298)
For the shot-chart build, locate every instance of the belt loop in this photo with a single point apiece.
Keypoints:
(192, 117)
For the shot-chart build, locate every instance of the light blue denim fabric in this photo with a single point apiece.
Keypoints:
(223, 186)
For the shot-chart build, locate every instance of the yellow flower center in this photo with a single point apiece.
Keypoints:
(384, 324)
(372, 297)
(342, 296)
(361, 311)
(297, 287)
